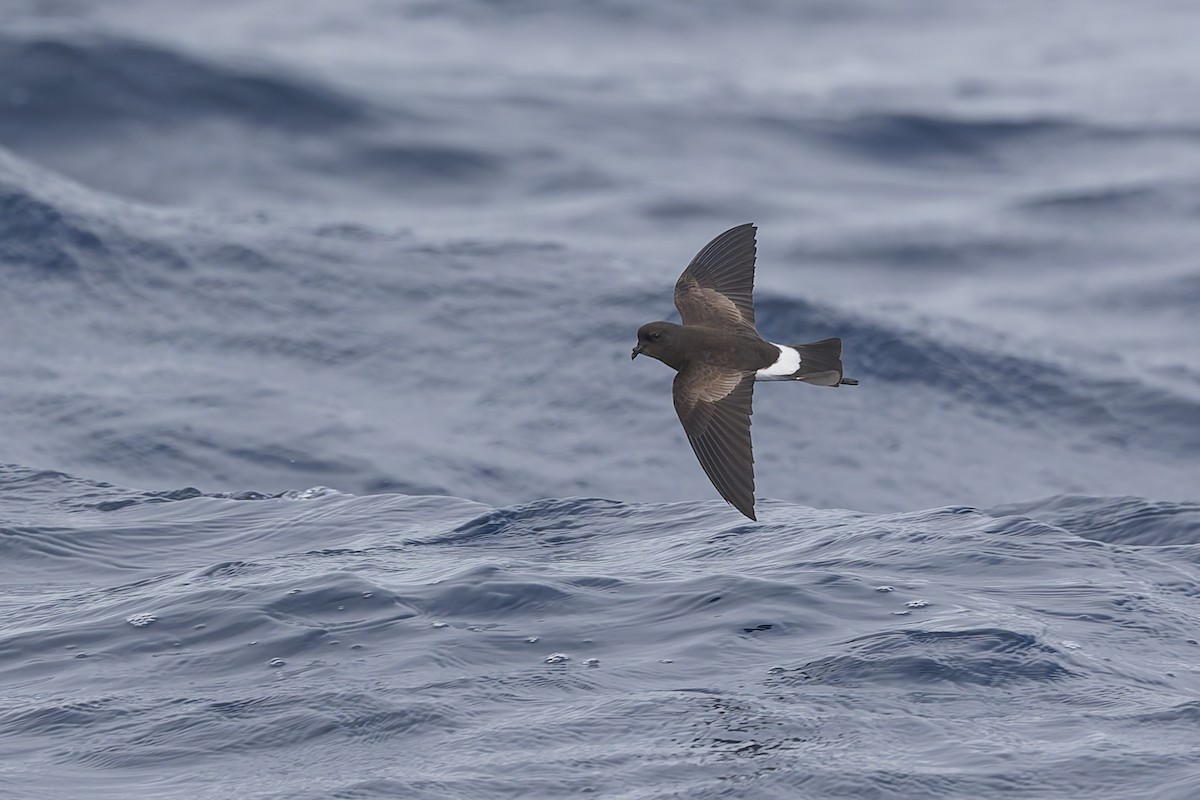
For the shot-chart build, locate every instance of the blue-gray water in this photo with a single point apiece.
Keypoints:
(367, 276)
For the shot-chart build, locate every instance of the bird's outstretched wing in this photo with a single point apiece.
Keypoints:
(717, 288)
(714, 406)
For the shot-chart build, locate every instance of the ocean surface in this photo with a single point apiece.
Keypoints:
(325, 473)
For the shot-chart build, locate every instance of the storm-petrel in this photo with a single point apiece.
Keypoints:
(719, 355)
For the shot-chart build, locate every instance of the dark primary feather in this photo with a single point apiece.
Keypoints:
(714, 406)
(717, 288)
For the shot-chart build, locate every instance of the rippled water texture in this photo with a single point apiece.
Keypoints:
(320, 644)
(400, 250)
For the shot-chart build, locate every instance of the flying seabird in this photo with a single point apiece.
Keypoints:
(718, 356)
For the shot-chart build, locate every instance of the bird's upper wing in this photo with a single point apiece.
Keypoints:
(717, 288)
(714, 406)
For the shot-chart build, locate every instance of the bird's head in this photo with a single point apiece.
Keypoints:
(659, 340)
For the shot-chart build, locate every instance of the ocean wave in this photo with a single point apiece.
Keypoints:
(1119, 203)
(1119, 520)
(987, 657)
(191, 629)
(905, 138)
(55, 230)
(1123, 411)
(68, 87)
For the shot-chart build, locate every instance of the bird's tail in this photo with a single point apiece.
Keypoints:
(821, 363)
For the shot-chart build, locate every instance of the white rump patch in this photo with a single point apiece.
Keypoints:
(784, 368)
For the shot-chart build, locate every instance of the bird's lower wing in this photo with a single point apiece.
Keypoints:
(714, 406)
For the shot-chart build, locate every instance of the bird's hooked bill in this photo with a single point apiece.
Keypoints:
(636, 351)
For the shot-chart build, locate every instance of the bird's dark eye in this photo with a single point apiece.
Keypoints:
(654, 337)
